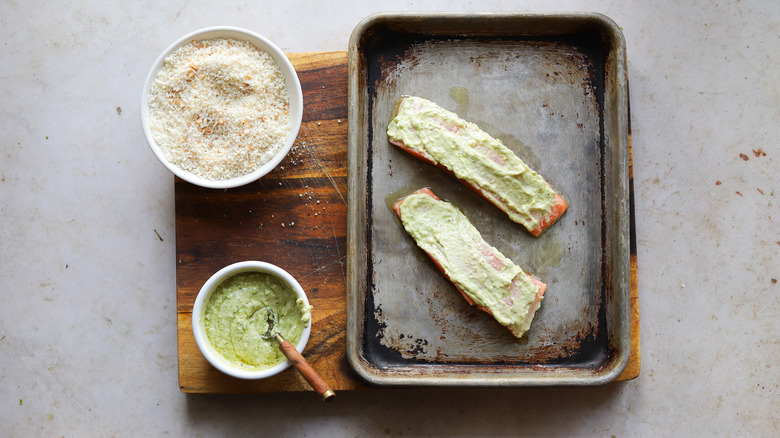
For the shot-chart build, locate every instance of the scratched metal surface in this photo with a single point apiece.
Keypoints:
(551, 98)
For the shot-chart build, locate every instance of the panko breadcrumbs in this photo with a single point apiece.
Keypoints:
(219, 108)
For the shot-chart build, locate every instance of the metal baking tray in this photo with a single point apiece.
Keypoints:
(553, 88)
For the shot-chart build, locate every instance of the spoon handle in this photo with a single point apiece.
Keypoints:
(305, 369)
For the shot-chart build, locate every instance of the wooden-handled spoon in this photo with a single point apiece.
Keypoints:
(298, 360)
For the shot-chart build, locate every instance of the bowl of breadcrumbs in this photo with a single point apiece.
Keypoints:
(221, 107)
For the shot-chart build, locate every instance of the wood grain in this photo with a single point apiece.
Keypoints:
(294, 217)
(634, 361)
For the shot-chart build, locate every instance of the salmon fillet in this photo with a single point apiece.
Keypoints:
(483, 276)
(441, 138)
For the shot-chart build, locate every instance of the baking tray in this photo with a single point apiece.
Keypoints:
(553, 88)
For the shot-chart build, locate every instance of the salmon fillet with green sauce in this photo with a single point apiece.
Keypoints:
(483, 163)
(485, 277)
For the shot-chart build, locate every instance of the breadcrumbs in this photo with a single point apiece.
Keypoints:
(219, 108)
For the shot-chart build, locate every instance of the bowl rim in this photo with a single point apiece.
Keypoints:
(198, 309)
(294, 92)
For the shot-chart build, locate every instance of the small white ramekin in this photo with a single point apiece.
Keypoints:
(294, 92)
(198, 320)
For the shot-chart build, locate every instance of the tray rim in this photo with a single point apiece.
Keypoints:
(619, 250)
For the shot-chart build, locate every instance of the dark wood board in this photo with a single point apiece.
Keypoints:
(294, 217)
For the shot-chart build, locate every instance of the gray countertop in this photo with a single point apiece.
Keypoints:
(87, 245)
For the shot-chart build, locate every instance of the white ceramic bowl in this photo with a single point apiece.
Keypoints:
(199, 329)
(293, 90)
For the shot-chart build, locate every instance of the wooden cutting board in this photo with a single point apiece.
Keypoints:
(294, 217)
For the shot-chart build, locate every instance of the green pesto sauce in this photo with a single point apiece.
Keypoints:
(441, 230)
(236, 317)
(473, 156)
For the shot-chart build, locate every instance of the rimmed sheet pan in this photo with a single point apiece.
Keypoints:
(553, 88)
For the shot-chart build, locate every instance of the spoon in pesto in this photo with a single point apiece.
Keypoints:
(297, 360)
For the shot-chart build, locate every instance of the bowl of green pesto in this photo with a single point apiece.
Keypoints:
(231, 314)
